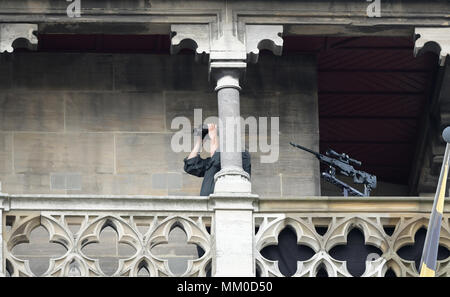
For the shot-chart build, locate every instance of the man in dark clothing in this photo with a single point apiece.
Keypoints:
(207, 168)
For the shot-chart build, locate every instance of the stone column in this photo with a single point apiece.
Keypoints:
(2, 207)
(2, 260)
(231, 178)
(232, 201)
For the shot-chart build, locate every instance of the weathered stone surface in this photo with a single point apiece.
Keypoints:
(287, 74)
(140, 112)
(295, 186)
(5, 153)
(159, 72)
(62, 71)
(293, 161)
(27, 183)
(266, 186)
(142, 153)
(190, 185)
(5, 72)
(299, 113)
(234, 243)
(166, 181)
(37, 111)
(149, 92)
(259, 104)
(182, 104)
(64, 152)
(118, 184)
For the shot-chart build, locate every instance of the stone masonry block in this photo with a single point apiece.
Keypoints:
(297, 186)
(143, 153)
(156, 72)
(137, 112)
(62, 71)
(59, 152)
(5, 152)
(31, 111)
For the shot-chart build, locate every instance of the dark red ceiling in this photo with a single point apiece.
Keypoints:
(372, 91)
(372, 94)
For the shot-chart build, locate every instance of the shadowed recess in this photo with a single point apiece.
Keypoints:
(355, 252)
(287, 252)
(413, 252)
(321, 271)
(390, 273)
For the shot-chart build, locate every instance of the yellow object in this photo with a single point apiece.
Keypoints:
(440, 203)
(426, 272)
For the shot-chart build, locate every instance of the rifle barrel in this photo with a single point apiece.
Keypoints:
(305, 149)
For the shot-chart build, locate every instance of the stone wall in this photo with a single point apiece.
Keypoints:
(85, 123)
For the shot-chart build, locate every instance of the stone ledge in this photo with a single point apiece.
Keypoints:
(145, 203)
(236, 201)
(349, 204)
(66, 202)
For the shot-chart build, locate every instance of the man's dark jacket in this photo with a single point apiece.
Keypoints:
(208, 167)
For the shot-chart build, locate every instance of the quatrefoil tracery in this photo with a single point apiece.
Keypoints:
(373, 227)
(75, 262)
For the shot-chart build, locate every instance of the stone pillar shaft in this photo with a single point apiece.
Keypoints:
(232, 200)
(229, 124)
(2, 260)
(231, 178)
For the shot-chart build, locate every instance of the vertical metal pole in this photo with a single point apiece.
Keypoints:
(430, 249)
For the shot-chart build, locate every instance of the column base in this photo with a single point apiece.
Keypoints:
(232, 181)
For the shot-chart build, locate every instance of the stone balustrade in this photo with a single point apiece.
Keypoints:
(75, 222)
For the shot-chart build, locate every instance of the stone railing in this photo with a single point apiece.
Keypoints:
(388, 224)
(140, 222)
(322, 223)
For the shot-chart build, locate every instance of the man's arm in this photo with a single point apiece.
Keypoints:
(214, 140)
(197, 146)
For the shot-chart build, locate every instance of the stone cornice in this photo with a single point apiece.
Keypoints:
(203, 204)
(289, 13)
(9, 33)
(436, 40)
(224, 49)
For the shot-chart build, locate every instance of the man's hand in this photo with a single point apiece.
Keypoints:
(212, 131)
(214, 141)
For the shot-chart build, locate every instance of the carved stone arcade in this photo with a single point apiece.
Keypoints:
(143, 223)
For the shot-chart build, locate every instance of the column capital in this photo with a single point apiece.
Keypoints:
(226, 50)
(11, 32)
(436, 40)
(227, 78)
